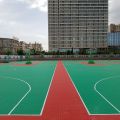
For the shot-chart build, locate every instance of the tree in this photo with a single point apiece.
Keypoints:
(21, 53)
(33, 52)
(8, 53)
(68, 52)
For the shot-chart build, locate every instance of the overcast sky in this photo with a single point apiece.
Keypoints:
(27, 19)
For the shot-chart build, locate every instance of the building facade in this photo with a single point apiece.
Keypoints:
(37, 46)
(114, 28)
(13, 45)
(22, 45)
(7, 44)
(114, 39)
(77, 24)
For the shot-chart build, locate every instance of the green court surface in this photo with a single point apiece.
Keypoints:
(98, 86)
(23, 89)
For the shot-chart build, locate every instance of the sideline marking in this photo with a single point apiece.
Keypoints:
(84, 102)
(95, 88)
(33, 115)
(77, 91)
(23, 96)
(48, 90)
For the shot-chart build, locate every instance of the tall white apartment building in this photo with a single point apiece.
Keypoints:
(77, 24)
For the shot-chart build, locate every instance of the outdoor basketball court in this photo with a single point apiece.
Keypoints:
(23, 89)
(60, 90)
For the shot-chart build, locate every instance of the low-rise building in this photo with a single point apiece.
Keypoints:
(29, 46)
(114, 28)
(37, 47)
(13, 45)
(22, 45)
(7, 44)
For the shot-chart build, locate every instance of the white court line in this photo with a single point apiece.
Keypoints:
(83, 100)
(95, 88)
(48, 91)
(77, 91)
(22, 97)
(43, 104)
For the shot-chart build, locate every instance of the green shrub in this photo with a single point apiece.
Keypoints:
(28, 62)
(91, 62)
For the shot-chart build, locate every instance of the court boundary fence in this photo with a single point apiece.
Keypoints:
(60, 57)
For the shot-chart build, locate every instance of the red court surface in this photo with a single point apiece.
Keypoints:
(63, 102)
